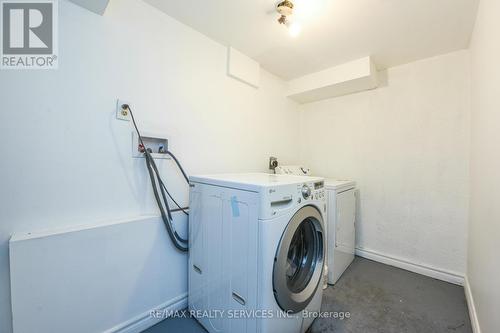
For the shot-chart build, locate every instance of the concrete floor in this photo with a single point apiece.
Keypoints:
(379, 298)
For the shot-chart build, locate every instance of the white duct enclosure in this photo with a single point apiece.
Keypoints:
(348, 78)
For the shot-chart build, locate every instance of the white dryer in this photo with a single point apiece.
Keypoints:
(256, 251)
(341, 216)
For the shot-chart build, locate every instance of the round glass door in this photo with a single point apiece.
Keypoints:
(298, 264)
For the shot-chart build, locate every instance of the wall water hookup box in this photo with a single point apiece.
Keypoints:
(154, 141)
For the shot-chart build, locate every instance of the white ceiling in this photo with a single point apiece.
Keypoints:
(333, 31)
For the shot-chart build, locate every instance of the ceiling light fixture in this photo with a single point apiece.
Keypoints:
(285, 9)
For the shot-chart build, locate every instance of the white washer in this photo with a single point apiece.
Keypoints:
(341, 216)
(256, 251)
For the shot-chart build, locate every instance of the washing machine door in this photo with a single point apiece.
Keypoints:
(298, 265)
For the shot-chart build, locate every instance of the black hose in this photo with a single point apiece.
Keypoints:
(164, 188)
(179, 165)
(166, 218)
(179, 207)
(180, 243)
(165, 201)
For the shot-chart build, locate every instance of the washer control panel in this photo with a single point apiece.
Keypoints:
(311, 191)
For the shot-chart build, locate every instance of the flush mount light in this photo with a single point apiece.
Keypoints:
(285, 9)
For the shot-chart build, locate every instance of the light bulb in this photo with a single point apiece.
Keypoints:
(294, 29)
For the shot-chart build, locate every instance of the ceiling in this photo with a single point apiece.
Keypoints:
(333, 32)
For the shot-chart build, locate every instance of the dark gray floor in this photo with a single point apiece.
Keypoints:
(380, 299)
(385, 299)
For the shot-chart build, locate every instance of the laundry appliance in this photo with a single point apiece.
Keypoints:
(341, 216)
(257, 249)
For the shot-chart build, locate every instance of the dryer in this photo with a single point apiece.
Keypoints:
(341, 219)
(257, 248)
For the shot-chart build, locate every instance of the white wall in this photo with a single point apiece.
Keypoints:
(484, 226)
(67, 161)
(406, 144)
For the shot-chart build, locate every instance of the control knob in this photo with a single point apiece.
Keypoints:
(306, 192)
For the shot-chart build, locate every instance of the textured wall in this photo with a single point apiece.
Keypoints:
(484, 226)
(406, 144)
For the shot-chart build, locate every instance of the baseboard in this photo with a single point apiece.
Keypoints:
(472, 307)
(145, 320)
(426, 270)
